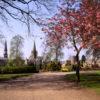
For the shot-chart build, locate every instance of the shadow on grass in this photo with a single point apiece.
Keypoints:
(87, 80)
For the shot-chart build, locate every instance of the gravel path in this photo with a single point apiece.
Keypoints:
(44, 86)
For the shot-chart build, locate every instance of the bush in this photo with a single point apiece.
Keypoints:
(53, 66)
(86, 66)
(66, 68)
(14, 70)
(83, 66)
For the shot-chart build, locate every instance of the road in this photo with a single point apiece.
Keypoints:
(44, 86)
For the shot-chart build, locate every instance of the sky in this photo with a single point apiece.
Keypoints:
(16, 27)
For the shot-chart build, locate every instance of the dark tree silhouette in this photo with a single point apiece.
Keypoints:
(23, 10)
(83, 59)
(5, 50)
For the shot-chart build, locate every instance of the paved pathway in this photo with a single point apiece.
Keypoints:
(44, 86)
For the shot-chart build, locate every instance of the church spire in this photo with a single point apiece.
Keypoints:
(34, 52)
(5, 50)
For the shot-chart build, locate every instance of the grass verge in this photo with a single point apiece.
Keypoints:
(88, 80)
(5, 77)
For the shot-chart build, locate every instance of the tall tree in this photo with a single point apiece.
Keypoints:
(53, 46)
(5, 50)
(2, 38)
(53, 53)
(79, 24)
(47, 55)
(54, 49)
(16, 47)
(95, 53)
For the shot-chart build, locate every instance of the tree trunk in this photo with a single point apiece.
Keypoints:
(78, 68)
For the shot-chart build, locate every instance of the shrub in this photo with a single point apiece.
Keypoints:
(86, 66)
(66, 68)
(14, 70)
(53, 66)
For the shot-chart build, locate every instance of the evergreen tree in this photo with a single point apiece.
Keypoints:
(34, 51)
(5, 50)
(83, 59)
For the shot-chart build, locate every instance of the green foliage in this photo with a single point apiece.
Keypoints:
(10, 63)
(16, 62)
(16, 47)
(23, 69)
(53, 66)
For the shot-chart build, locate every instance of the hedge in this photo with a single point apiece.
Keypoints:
(14, 70)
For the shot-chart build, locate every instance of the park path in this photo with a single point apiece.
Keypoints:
(44, 86)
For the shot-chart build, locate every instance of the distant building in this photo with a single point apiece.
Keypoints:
(34, 59)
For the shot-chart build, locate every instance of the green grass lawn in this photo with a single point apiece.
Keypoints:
(5, 77)
(88, 80)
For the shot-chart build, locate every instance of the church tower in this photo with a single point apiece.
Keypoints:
(5, 50)
(34, 53)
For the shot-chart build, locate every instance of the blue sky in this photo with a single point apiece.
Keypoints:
(19, 28)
